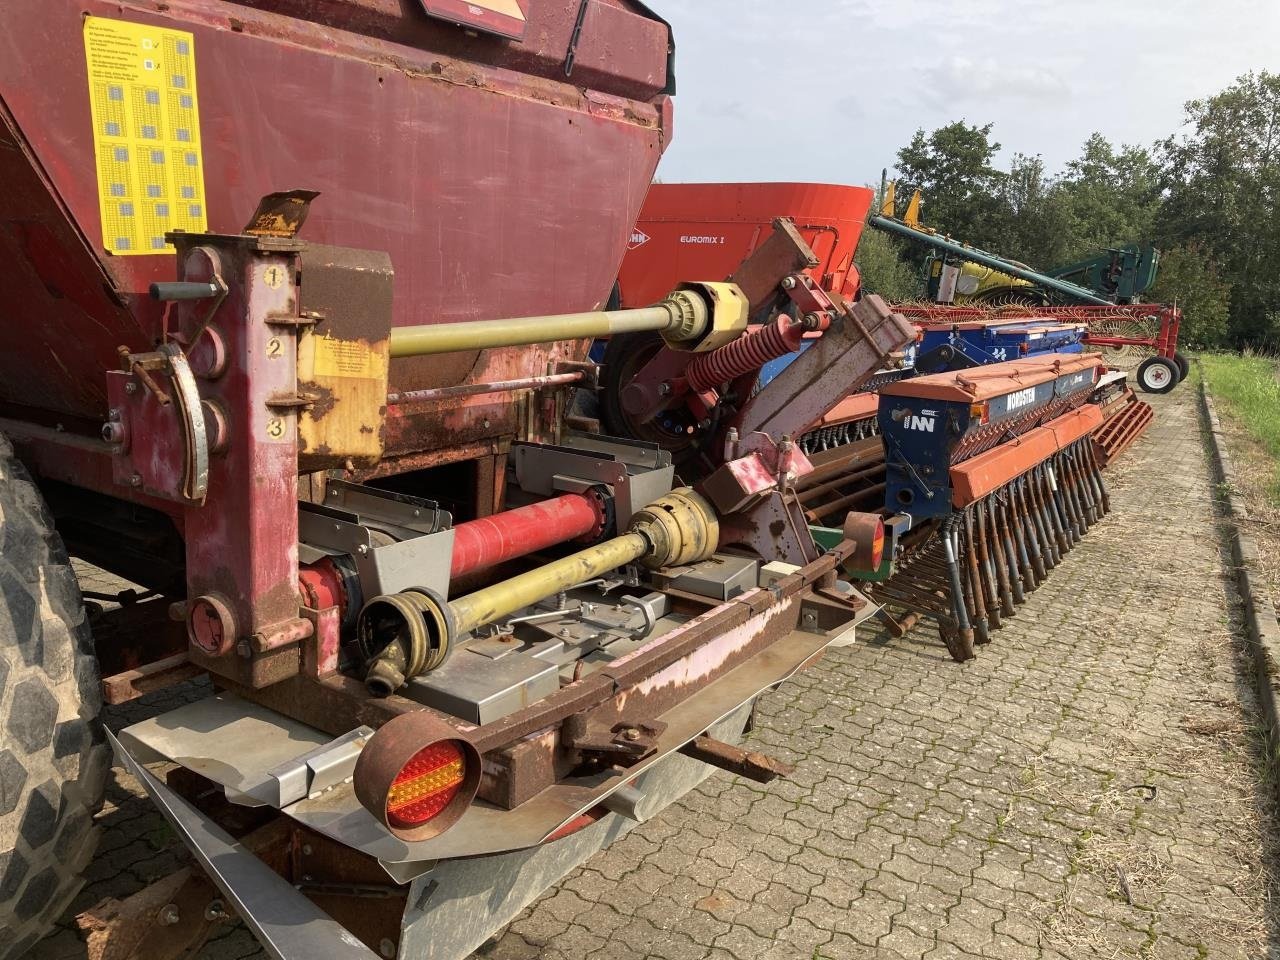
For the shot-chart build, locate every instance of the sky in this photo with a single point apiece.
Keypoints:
(829, 90)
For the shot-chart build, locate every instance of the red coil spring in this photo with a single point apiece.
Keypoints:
(749, 352)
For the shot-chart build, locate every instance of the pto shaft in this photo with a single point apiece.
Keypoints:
(502, 599)
(682, 316)
(404, 635)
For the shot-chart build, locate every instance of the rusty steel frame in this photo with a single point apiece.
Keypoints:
(524, 744)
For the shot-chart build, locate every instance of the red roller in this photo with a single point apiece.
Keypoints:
(483, 543)
(321, 587)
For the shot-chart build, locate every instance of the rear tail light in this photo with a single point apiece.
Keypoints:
(866, 532)
(426, 785)
(417, 776)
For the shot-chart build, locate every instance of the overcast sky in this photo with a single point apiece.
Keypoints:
(828, 90)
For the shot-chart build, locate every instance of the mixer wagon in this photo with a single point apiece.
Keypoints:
(705, 229)
(293, 297)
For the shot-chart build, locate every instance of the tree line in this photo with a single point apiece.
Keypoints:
(1206, 196)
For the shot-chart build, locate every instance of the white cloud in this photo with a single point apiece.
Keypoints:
(830, 89)
(967, 80)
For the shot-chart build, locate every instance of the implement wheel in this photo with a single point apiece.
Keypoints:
(1158, 375)
(1184, 366)
(53, 761)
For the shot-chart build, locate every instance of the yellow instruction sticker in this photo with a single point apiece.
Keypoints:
(345, 358)
(146, 134)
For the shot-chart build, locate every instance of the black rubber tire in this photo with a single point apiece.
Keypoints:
(53, 756)
(1158, 375)
(1184, 366)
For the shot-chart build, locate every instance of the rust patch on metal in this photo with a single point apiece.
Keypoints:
(743, 763)
(281, 214)
(322, 401)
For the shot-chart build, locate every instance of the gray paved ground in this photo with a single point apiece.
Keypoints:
(1087, 787)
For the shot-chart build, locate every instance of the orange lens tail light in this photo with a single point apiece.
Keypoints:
(417, 775)
(426, 785)
(866, 532)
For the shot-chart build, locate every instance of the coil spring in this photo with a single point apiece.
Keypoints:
(749, 352)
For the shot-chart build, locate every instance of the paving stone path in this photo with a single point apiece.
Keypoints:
(1089, 786)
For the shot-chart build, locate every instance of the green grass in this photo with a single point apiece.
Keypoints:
(1247, 389)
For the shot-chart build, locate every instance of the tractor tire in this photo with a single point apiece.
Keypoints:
(53, 758)
(1158, 375)
(1184, 366)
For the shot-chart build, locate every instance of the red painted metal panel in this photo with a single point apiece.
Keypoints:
(975, 478)
(498, 188)
(702, 231)
(859, 406)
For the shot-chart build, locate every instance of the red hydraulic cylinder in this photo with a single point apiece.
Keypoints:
(482, 543)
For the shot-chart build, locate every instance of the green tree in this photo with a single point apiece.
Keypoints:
(1189, 278)
(1223, 187)
(962, 189)
(882, 268)
(1108, 197)
(1034, 225)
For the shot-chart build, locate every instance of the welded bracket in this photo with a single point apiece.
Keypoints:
(623, 744)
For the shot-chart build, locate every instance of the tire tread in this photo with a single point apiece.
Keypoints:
(47, 837)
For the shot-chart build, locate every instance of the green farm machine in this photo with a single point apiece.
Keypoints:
(1104, 290)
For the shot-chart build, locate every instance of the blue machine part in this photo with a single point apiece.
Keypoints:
(774, 367)
(983, 343)
(932, 422)
(778, 364)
